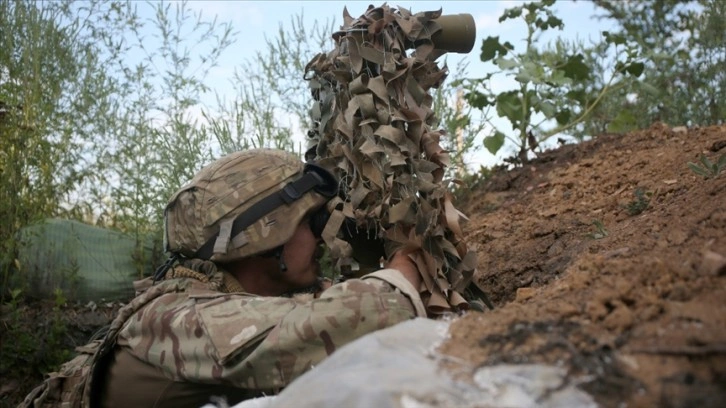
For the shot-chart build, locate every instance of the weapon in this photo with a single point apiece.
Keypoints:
(373, 119)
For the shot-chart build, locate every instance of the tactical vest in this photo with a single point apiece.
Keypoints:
(73, 385)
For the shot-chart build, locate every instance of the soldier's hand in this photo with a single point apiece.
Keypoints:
(401, 261)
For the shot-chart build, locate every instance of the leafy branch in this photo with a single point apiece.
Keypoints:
(554, 84)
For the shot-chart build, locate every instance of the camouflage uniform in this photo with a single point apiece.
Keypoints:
(198, 342)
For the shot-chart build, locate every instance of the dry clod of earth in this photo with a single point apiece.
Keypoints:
(606, 258)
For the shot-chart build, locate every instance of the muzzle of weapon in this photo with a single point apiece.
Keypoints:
(457, 34)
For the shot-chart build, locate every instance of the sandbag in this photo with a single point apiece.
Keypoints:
(399, 367)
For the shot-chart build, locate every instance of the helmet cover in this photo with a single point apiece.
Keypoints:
(227, 187)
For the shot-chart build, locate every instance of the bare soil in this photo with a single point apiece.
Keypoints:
(635, 309)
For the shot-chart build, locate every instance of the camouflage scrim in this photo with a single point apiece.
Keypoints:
(373, 128)
(224, 189)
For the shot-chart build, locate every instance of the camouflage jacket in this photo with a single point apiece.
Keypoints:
(191, 334)
(198, 335)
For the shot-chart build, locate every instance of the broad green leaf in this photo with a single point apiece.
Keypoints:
(706, 162)
(563, 117)
(513, 12)
(494, 142)
(699, 170)
(490, 47)
(558, 79)
(523, 76)
(548, 109)
(478, 100)
(533, 98)
(533, 71)
(509, 105)
(579, 96)
(551, 22)
(554, 22)
(506, 63)
(650, 88)
(635, 69)
(575, 68)
(610, 38)
(721, 161)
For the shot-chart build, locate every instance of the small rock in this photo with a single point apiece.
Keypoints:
(617, 252)
(681, 130)
(568, 310)
(524, 294)
(619, 319)
(716, 146)
(679, 292)
(595, 310)
(548, 213)
(712, 264)
(91, 305)
(629, 361)
(677, 237)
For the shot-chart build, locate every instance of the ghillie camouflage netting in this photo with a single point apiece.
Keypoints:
(373, 122)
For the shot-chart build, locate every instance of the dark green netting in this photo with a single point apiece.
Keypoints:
(88, 263)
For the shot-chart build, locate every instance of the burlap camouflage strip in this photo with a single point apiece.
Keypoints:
(373, 127)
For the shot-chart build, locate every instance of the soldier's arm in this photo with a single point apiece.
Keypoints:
(264, 343)
(315, 328)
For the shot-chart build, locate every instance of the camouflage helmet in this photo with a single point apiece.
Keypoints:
(243, 204)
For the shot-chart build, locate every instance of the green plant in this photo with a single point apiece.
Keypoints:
(455, 117)
(96, 107)
(33, 342)
(51, 88)
(59, 298)
(553, 85)
(641, 202)
(600, 231)
(15, 297)
(708, 169)
(683, 46)
(272, 100)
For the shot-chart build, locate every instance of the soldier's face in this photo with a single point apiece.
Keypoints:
(300, 255)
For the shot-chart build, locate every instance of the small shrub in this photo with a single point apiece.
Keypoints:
(31, 344)
(708, 169)
(641, 202)
(600, 231)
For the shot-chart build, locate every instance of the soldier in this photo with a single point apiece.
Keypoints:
(232, 314)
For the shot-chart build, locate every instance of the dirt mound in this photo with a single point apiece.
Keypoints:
(609, 258)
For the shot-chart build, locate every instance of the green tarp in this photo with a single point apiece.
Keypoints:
(88, 263)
